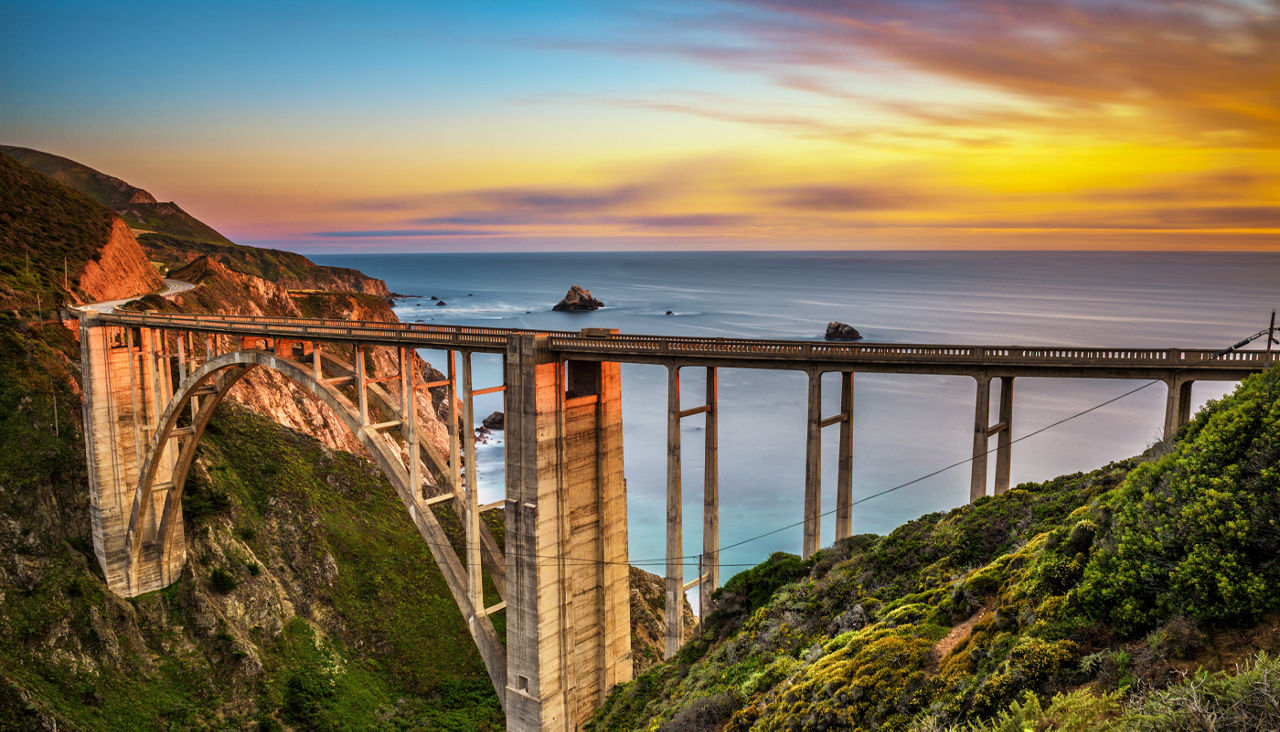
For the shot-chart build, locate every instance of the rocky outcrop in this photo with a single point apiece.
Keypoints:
(121, 269)
(494, 421)
(223, 290)
(349, 280)
(837, 331)
(649, 619)
(578, 298)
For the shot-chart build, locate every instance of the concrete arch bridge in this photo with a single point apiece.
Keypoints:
(152, 382)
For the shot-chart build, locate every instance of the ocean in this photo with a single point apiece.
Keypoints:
(904, 426)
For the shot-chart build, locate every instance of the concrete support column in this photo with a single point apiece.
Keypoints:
(675, 525)
(1004, 444)
(568, 600)
(1177, 411)
(126, 387)
(981, 420)
(471, 512)
(709, 569)
(813, 469)
(455, 455)
(361, 387)
(844, 470)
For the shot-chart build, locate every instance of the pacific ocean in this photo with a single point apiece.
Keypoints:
(904, 426)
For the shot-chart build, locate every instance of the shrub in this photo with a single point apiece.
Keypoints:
(221, 580)
(1192, 533)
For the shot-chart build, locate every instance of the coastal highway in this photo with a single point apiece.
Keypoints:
(172, 287)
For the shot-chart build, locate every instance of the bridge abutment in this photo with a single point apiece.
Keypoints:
(128, 383)
(568, 603)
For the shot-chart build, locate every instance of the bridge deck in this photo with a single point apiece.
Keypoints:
(908, 358)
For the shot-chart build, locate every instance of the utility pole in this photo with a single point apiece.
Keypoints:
(56, 430)
(1271, 335)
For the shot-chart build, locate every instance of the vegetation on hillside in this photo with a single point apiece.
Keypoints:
(173, 237)
(107, 190)
(308, 599)
(44, 226)
(1114, 582)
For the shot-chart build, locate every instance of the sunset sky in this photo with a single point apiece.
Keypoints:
(756, 124)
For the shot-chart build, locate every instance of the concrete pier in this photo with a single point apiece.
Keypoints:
(568, 606)
(983, 431)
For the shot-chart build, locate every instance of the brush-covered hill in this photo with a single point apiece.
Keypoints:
(173, 237)
(59, 247)
(1131, 597)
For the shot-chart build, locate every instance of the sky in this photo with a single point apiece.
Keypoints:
(744, 124)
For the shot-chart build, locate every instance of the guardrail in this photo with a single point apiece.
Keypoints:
(622, 346)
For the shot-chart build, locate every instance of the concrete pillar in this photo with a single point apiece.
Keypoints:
(1004, 444)
(1177, 411)
(844, 474)
(361, 387)
(1184, 402)
(981, 420)
(118, 419)
(471, 510)
(813, 469)
(455, 455)
(675, 518)
(709, 568)
(568, 601)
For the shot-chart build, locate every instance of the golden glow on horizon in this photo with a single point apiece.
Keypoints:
(963, 125)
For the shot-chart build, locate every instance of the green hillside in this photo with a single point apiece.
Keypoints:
(43, 224)
(173, 237)
(1074, 599)
(107, 190)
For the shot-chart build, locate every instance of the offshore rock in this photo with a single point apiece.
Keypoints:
(578, 298)
(494, 421)
(837, 331)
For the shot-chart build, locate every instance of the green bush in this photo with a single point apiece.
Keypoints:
(221, 580)
(1194, 533)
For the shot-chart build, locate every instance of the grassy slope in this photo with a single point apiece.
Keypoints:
(1111, 579)
(175, 237)
(41, 223)
(105, 189)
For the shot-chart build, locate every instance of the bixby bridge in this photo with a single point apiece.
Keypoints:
(152, 382)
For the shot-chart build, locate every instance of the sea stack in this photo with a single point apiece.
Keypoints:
(837, 331)
(578, 298)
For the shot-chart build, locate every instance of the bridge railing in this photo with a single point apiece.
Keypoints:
(428, 335)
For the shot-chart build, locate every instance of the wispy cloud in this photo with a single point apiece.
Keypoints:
(1202, 72)
(400, 233)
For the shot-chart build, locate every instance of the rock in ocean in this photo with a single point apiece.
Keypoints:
(837, 331)
(578, 298)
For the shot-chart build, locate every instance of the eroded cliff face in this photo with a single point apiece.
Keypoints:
(267, 392)
(649, 619)
(341, 279)
(121, 270)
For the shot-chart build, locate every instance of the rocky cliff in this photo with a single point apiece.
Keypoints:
(221, 290)
(58, 247)
(121, 270)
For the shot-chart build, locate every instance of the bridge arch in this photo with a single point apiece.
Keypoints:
(211, 383)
